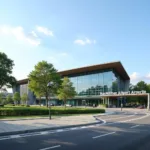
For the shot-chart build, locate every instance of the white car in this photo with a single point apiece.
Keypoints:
(68, 105)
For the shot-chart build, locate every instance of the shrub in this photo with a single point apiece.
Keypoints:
(1, 105)
(26, 111)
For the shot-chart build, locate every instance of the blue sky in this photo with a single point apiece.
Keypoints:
(76, 33)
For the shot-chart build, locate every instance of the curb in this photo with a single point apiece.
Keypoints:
(48, 129)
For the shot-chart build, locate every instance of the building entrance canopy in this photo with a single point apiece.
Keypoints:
(127, 94)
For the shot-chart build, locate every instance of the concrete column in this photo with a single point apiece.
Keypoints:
(103, 100)
(148, 101)
(108, 101)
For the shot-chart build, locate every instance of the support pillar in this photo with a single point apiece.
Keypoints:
(108, 101)
(148, 101)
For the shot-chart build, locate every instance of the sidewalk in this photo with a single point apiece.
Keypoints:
(24, 126)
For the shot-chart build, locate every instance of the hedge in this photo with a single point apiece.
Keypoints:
(44, 111)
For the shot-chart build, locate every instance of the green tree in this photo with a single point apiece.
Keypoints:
(66, 91)
(1, 98)
(37, 89)
(39, 78)
(9, 99)
(6, 66)
(24, 98)
(141, 86)
(16, 98)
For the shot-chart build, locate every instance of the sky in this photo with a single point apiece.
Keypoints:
(76, 33)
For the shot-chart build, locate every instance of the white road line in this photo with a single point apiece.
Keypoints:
(51, 147)
(15, 136)
(44, 132)
(103, 135)
(120, 117)
(136, 118)
(59, 130)
(135, 126)
(84, 127)
(4, 139)
(75, 128)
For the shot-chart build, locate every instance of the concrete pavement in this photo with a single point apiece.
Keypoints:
(127, 131)
(10, 127)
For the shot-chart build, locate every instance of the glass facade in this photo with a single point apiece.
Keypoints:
(23, 89)
(96, 83)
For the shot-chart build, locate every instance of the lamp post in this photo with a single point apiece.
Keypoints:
(49, 85)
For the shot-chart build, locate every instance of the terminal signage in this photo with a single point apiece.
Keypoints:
(124, 93)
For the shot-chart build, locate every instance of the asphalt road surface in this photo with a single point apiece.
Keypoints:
(126, 131)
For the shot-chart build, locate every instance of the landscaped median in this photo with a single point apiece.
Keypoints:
(27, 111)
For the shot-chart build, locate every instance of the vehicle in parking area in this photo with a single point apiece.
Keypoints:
(52, 104)
(141, 107)
(68, 105)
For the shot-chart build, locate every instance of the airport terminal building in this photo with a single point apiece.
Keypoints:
(89, 82)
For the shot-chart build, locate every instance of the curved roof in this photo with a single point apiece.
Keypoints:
(117, 66)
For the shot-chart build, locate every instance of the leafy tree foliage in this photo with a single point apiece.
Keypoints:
(66, 91)
(16, 98)
(39, 78)
(24, 98)
(9, 99)
(6, 66)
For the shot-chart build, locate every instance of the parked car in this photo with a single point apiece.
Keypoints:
(68, 105)
(140, 107)
(52, 104)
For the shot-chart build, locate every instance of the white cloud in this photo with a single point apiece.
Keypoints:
(134, 76)
(148, 76)
(85, 41)
(19, 34)
(44, 30)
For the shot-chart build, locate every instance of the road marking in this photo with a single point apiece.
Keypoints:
(135, 126)
(44, 132)
(84, 127)
(120, 117)
(75, 128)
(51, 147)
(4, 139)
(136, 118)
(15, 136)
(59, 130)
(103, 135)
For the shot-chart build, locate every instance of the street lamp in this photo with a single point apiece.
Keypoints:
(49, 85)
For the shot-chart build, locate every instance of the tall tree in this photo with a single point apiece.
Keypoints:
(141, 86)
(9, 99)
(24, 98)
(1, 98)
(66, 91)
(37, 89)
(39, 78)
(6, 66)
(16, 98)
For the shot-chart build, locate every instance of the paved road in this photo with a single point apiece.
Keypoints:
(126, 131)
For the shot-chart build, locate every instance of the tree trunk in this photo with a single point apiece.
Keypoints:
(40, 101)
(65, 103)
(47, 101)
